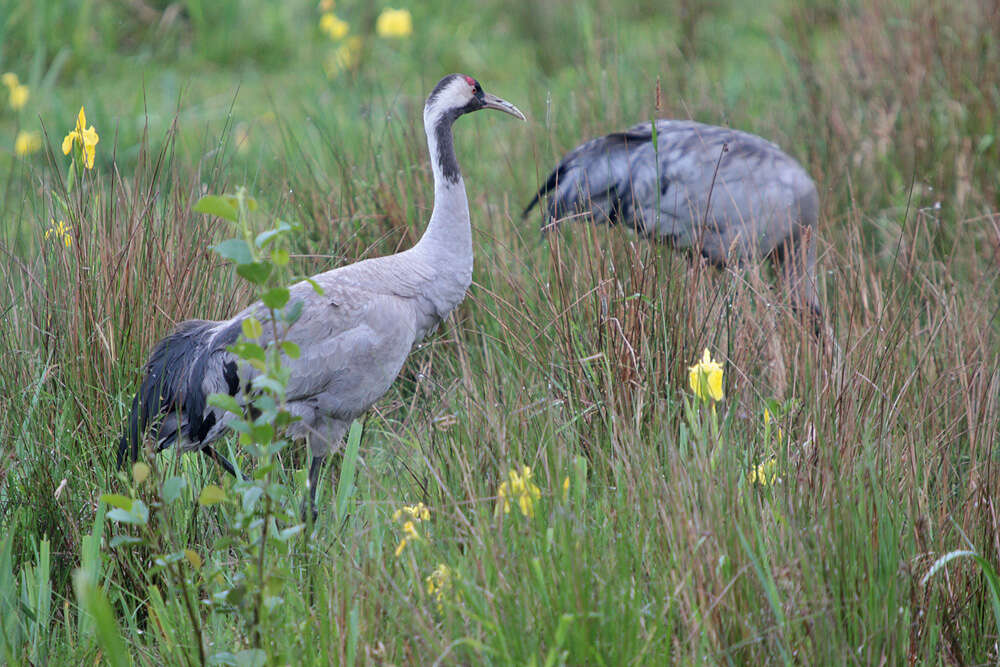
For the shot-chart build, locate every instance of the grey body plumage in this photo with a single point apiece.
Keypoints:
(730, 195)
(354, 336)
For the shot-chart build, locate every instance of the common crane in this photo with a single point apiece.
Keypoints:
(730, 195)
(353, 338)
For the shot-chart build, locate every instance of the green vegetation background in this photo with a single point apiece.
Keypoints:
(570, 354)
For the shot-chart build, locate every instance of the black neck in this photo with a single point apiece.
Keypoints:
(445, 148)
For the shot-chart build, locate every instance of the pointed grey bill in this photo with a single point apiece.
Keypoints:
(494, 102)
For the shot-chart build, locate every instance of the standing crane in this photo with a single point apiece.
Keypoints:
(353, 338)
(730, 195)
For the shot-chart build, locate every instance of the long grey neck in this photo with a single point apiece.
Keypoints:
(448, 236)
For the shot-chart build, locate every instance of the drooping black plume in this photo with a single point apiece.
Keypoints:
(545, 189)
(172, 399)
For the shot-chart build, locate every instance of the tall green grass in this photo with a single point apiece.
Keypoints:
(570, 354)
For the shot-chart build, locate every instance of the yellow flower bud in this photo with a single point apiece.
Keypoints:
(18, 96)
(394, 23)
(27, 143)
(333, 26)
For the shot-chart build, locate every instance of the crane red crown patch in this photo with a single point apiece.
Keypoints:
(469, 80)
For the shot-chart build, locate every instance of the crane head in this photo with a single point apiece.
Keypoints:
(458, 94)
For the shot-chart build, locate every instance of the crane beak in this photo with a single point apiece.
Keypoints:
(494, 102)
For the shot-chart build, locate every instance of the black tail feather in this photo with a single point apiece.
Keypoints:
(546, 188)
(211, 453)
(172, 400)
(164, 386)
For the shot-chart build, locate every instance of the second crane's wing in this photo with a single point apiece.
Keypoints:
(699, 179)
(597, 177)
(726, 190)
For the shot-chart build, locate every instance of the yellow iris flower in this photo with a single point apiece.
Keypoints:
(764, 473)
(439, 585)
(83, 136)
(394, 23)
(334, 26)
(60, 231)
(410, 534)
(27, 143)
(521, 489)
(776, 429)
(19, 93)
(344, 57)
(411, 516)
(419, 512)
(705, 378)
(18, 96)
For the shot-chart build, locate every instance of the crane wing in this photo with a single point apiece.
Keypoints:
(700, 184)
(352, 342)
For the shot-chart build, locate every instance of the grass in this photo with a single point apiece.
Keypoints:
(877, 541)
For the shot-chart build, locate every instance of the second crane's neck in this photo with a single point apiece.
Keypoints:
(449, 235)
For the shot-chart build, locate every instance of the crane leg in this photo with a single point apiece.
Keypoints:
(210, 452)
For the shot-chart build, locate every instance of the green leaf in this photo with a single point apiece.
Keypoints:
(217, 206)
(239, 426)
(140, 510)
(225, 402)
(345, 488)
(268, 384)
(234, 201)
(291, 531)
(117, 500)
(119, 540)
(263, 432)
(91, 598)
(252, 328)
(277, 446)
(211, 495)
(265, 403)
(250, 498)
(267, 236)
(140, 471)
(251, 657)
(248, 351)
(193, 558)
(124, 516)
(294, 312)
(284, 418)
(280, 257)
(167, 559)
(172, 488)
(236, 250)
(255, 272)
(291, 349)
(315, 285)
(275, 298)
